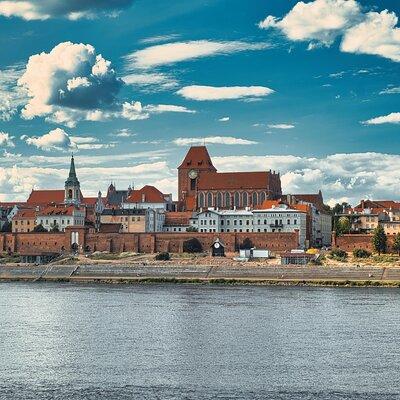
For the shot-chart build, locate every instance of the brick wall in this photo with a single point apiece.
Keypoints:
(357, 241)
(37, 243)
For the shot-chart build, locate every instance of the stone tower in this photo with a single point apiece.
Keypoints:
(72, 186)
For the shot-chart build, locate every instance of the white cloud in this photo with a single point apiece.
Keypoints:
(227, 140)
(154, 81)
(377, 35)
(393, 118)
(162, 108)
(224, 119)
(56, 139)
(391, 90)
(202, 93)
(71, 9)
(281, 126)
(134, 111)
(170, 53)
(6, 139)
(123, 133)
(68, 84)
(322, 21)
(159, 39)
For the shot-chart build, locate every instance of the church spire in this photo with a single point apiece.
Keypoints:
(72, 186)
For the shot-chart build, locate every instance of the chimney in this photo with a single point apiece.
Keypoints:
(362, 204)
(143, 197)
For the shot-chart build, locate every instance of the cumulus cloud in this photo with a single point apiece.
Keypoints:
(228, 140)
(123, 133)
(135, 111)
(281, 126)
(69, 83)
(56, 139)
(6, 140)
(170, 53)
(392, 118)
(202, 93)
(224, 119)
(320, 22)
(71, 9)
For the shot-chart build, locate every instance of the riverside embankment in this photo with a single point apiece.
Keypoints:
(351, 275)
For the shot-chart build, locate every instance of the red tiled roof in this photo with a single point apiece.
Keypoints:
(42, 197)
(266, 204)
(234, 180)
(178, 218)
(379, 204)
(147, 194)
(27, 213)
(53, 210)
(90, 201)
(197, 157)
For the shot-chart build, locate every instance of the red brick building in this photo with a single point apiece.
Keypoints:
(200, 185)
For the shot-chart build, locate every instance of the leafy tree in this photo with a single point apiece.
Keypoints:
(191, 229)
(343, 225)
(339, 208)
(379, 240)
(164, 256)
(247, 244)
(192, 246)
(39, 228)
(55, 228)
(7, 227)
(361, 253)
(396, 243)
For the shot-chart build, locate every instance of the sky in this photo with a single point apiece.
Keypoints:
(310, 89)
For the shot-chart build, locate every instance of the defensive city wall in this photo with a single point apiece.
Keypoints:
(42, 243)
(359, 241)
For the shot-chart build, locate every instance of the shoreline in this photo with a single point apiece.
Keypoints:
(349, 276)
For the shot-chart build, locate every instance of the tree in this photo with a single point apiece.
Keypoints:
(396, 244)
(55, 228)
(343, 225)
(339, 208)
(39, 228)
(379, 240)
(192, 246)
(247, 244)
(191, 229)
(7, 227)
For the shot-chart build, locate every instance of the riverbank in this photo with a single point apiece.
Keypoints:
(350, 275)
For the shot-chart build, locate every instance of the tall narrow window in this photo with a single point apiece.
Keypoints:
(193, 184)
(219, 199)
(209, 200)
(245, 200)
(201, 199)
(262, 197)
(255, 199)
(227, 199)
(237, 199)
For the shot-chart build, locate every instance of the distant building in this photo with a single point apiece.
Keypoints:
(114, 197)
(148, 197)
(72, 193)
(24, 221)
(178, 221)
(201, 186)
(60, 216)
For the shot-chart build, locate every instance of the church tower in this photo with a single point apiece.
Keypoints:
(72, 186)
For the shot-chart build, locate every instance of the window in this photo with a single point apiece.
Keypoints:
(193, 184)
(237, 199)
(219, 199)
(201, 199)
(240, 222)
(16, 222)
(262, 197)
(222, 230)
(247, 222)
(222, 222)
(255, 199)
(288, 221)
(245, 199)
(234, 222)
(295, 222)
(228, 222)
(209, 200)
(227, 199)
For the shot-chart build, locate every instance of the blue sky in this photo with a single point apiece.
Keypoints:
(308, 91)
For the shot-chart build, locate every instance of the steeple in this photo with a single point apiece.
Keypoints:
(72, 186)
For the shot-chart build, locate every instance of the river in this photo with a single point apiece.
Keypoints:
(66, 341)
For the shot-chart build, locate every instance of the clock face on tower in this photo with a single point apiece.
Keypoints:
(192, 174)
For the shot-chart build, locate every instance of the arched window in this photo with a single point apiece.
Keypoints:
(237, 199)
(227, 199)
(262, 197)
(255, 199)
(245, 199)
(70, 193)
(209, 199)
(201, 199)
(219, 199)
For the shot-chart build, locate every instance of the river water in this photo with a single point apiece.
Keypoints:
(65, 341)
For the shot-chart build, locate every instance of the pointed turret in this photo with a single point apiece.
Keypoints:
(72, 186)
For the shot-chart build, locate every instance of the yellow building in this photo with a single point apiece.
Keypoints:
(24, 221)
(131, 221)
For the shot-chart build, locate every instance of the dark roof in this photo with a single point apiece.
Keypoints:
(122, 211)
(115, 198)
(110, 228)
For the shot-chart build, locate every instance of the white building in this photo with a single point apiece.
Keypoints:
(60, 217)
(278, 219)
(148, 197)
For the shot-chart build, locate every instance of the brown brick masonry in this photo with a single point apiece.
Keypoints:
(39, 243)
(350, 242)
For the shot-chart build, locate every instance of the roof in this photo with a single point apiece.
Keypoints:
(11, 204)
(197, 157)
(123, 211)
(116, 197)
(283, 208)
(57, 210)
(379, 204)
(147, 194)
(110, 228)
(227, 212)
(234, 180)
(178, 218)
(90, 201)
(27, 213)
(267, 204)
(43, 197)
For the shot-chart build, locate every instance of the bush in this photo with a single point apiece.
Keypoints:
(361, 253)
(192, 246)
(338, 254)
(247, 244)
(164, 256)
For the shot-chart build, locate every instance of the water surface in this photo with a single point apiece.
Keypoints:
(65, 341)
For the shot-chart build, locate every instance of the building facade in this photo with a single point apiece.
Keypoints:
(60, 217)
(24, 221)
(201, 186)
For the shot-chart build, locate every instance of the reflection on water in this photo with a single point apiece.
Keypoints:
(64, 341)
